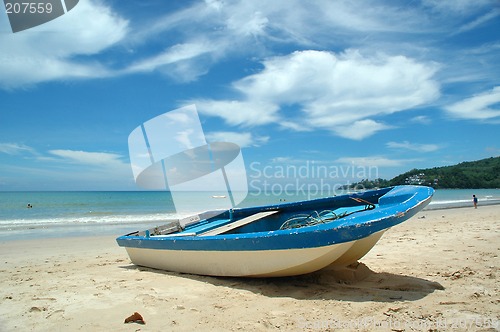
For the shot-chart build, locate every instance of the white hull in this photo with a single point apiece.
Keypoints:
(359, 249)
(261, 263)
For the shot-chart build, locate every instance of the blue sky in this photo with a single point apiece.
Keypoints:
(394, 85)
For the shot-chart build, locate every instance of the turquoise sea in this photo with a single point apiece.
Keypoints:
(60, 214)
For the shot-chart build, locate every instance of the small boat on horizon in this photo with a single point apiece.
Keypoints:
(285, 239)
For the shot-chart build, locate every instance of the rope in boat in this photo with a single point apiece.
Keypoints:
(315, 218)
(303, 220)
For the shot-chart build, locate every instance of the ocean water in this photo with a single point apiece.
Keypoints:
(60, 214)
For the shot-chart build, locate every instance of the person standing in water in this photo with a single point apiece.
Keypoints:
(474, 200)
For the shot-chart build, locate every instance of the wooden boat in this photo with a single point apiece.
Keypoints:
(276, 240)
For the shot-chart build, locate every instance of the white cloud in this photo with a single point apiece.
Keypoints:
(55, 174)
(285, 21)
(101, 159)
(64, 169)
(242, 139)
(251, 23)
(361, 129)
(181, 62)
(339, 93)
(482, 106)
(300, 127)
(15, 148)
(253, 27)
(198, 13)
(173, 54)
(241, 113)
(372, 161)
(228, 28)
(458, 6)
(485, 49)
(422, 119)
(47, 52)
(206, 32)
(478, 21)
(413, 146)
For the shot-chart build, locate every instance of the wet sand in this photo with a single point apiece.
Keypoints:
(437, 271)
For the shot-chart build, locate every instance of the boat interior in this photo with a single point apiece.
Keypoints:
(284, 216)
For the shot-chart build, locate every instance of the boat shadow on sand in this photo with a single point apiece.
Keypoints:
(354, 283)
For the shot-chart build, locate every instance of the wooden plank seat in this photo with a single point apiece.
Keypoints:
(238, 223)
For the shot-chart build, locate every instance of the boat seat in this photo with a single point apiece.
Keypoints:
(238, 223)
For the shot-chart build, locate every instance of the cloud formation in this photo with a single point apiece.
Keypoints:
(343, 93)
(15, 148)
(243, 140)
(372, 161)
(101, 159)
(405, 145)
(482, 106)
(47, 52)
(189, 41)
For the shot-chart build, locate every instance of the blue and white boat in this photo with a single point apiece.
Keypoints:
(276, 240)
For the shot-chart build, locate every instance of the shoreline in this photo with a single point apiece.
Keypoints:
(92, 230)
(438, 270)
(75, 229)
(461, 204)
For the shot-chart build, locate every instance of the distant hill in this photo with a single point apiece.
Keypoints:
(484, 173)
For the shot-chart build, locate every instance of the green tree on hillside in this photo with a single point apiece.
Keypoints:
(483, 173)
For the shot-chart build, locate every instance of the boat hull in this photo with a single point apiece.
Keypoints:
(358, 250)
(262, 263)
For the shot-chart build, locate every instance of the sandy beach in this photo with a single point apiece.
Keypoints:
(437, 271)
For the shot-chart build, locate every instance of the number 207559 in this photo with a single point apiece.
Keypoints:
(28, 8)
